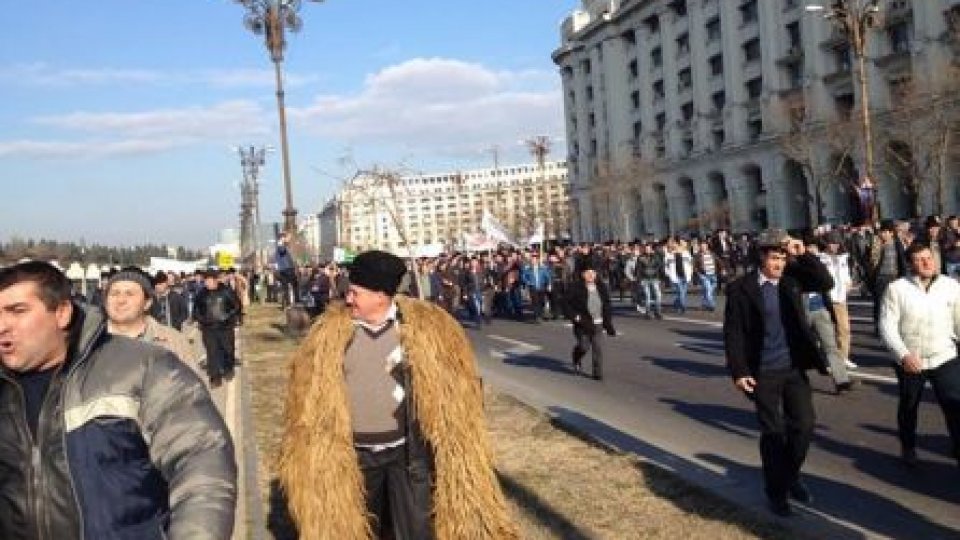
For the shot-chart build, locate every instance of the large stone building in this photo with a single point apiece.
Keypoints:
(686, 115)
(437, 209)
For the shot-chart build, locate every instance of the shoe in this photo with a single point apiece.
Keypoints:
(800, 493)
(843, 387)
(909, 457)
(216, 382)
(658, 316)
(850, 365)
(780, 507)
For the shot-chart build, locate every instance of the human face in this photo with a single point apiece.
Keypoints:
(32, 338)
(923, 264)
(590, 276)
(773, 263)
(367, 305)
(126, 303)
(162, 287)
(211, 283)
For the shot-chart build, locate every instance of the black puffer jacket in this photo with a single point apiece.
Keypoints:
(216, 308)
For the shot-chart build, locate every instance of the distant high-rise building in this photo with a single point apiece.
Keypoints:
(440, 208)
(688, 115)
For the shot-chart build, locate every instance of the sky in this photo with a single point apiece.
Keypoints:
(119, 119)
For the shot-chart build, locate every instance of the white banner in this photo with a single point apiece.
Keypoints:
(493, 229)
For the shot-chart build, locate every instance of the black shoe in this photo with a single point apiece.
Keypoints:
(658, 316)
(800, 493)
(216, 382)
(780, 507)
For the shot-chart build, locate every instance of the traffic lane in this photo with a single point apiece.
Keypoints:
(666, 383)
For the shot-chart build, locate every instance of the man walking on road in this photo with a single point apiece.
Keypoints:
(769, 348)
(920, 324)
(102, 436)
(217, 310)
(588, 308)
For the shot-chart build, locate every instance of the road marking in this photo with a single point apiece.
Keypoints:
(514, 342)
(714, 324)
(871, 377)
(861, 319)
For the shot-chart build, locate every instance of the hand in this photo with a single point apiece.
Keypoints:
(746, 384)
(912, 363)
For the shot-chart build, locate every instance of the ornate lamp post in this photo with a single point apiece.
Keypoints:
(252, 160)
(272, 18)
(854, 18)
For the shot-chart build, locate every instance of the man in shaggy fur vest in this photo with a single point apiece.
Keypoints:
(384, 428)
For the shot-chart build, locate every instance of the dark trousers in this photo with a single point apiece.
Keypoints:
(398, 494)
(536, 302)
(785, 413)
(589, 341)
(946, 386)
(219, 344)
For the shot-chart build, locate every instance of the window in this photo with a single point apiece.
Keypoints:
(635, 99)
(573, 97)
(634, 70)
(719, 100)
(586, 67)
(683, 45)
(592, 120)
(637, 130)
(686, 111)
(661, 121)
(658, 89)
(713, 29)
(679, 7)
(751, 50)
(793, 35)
(794, 75)
(656, 57)
(754, 129)
(716, 65)
(842, 59)
(748, 12)
(593, 147)
(754, 87)
(687, 145)
(900, 37)
(718, 136)
(589, 93)
(652, 23)
(684, 79)
(844, 105)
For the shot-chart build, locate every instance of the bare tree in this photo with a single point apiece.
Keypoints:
(384, 188)
(922, 136)
(801, 143)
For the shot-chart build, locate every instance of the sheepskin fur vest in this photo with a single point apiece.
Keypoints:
(318, 466)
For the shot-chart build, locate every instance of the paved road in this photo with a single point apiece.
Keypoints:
(666, 396)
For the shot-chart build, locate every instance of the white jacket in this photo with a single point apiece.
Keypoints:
(925, 323)
(839, 268)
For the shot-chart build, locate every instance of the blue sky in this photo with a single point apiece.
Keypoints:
(117, 117)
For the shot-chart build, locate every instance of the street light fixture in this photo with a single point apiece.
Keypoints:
(854, 18)
(252, 159)
(272, 18)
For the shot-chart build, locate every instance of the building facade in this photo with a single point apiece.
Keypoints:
(689, 115)
(379, 210)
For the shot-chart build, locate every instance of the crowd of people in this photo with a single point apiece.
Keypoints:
(385, 386)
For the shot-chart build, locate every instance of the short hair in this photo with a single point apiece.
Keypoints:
(54, 287)
(916, 247)
(160, 277)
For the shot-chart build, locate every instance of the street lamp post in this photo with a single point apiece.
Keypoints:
(271, 18)
(855, 17)
(252, 160)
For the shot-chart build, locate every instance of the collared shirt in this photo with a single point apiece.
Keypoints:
(391, 316)
(764, 279)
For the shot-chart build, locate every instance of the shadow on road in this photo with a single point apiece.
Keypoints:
(851, 503)
(935, 444)
(688, 367)
(542, 362)
(730, 419)
(551, 519)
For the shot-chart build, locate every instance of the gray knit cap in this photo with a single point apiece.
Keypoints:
(135, 276)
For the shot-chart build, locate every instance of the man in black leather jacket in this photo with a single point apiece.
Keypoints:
(217, 309)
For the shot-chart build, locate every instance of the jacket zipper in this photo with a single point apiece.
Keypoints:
(33, 471)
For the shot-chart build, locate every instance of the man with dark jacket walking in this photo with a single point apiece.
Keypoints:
(588, 308)
(217, 310)
(769, 348)
(103, 436)
(169, 307)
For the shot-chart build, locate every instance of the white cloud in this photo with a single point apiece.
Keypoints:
(40, 74)
(83, 150)
(228, 119)
(439, 105)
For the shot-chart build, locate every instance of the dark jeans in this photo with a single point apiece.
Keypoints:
(219, 344)
(946, 386)
(398, 494)
(592, 342)
(537, 298)
(785, 412)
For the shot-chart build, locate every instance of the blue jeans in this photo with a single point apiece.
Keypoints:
(680, 290)
(475, 300)
(709, 284)
(650, 289)
(953, 269)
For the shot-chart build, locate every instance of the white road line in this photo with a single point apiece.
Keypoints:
(714, 324)
(861, 319)
(872, 377)
(514, 342)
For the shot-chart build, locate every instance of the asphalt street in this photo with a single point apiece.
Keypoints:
(667, 397)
